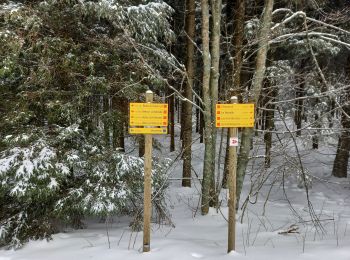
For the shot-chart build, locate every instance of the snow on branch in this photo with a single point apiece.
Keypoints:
(300, 14)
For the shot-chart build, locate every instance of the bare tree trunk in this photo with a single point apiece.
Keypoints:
(340, 166)
(238, 37)
(178, 107)
(269, 119)
(118, 124)
(238, 43)
(225, 174)
(182, 114)
(121, 138)
(187, 106)
(216, 7)
(106, 120)
(201, 127)
(299, 105)
(141, 140)
(208, 160)
(197, 116)
(171, 103)
(247, 133)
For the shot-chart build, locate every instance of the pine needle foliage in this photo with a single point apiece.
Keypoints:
(67, 69)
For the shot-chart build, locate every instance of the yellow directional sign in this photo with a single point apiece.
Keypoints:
(234, 115)
(148, 114)
(144, 130)
(148, 105)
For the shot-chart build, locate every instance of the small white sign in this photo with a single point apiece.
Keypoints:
(233, 141)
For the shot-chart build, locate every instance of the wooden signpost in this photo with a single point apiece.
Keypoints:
(233, 116)
(148, 118)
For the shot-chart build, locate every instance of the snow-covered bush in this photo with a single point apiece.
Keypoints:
(63, 118)
(50, 180)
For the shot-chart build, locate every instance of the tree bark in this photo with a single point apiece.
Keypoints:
(225, 174)
(121, 138)
(208, 160)
(201, 126)
(171, 103)
(238, 37)
(238, 43)
(340, 166)
(197, 116)
(216, 7)
(187, 106)
(247, 133)
(299, 104)
(269, 122)
(141, 139)
(106, 121)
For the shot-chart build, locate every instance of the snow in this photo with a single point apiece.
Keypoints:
(53, 183)
(205, 237)
(6, 163)
(10, 6)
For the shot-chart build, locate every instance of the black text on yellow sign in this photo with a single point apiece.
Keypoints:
(153, 116)
(234, 115)
(148, 114)
(151, 131)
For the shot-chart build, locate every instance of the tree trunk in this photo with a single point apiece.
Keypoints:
(178, 107)
(299, 105)
(118, 124)
(340, 166)
(238, 43)
(121, 138)
(106, 121)
(269, 122)
(187, 106)
(171, 103)
(238, 37)
(141, 140)
(225, 174)
(201, 126)
(208, 160)
(197, 116)
(247, 133)
(216, 7)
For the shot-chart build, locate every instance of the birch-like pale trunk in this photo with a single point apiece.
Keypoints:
(187, 106)
(260, 67)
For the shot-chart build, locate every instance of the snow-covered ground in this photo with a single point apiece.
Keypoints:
(205, 237)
